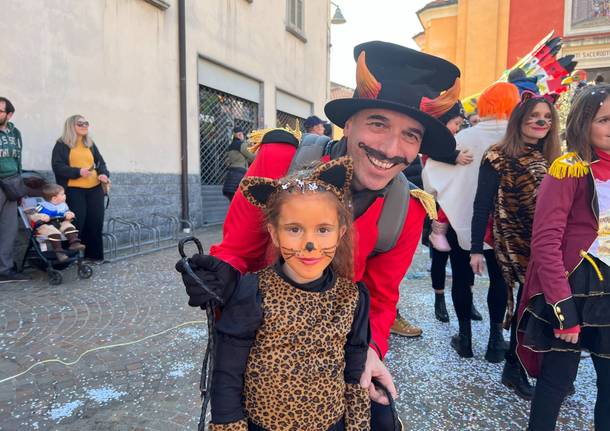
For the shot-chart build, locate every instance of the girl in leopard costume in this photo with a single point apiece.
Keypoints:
(509, 178)
(292, 341)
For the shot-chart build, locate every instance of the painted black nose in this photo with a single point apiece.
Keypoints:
(541, 123)
(310, 247)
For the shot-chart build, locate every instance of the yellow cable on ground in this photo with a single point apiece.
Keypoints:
(110, 346)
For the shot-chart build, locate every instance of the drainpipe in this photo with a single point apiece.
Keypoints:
(184, 190)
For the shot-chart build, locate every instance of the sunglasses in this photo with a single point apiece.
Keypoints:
(82, 123)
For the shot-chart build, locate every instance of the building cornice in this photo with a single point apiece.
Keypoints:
(437, 4)
(419, 39)
(440, 10)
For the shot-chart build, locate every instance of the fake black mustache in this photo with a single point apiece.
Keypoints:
(380, 156)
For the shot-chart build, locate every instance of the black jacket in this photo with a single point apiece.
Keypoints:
(60, 162)
(413, 172)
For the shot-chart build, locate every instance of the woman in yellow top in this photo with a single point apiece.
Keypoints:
(80, 169)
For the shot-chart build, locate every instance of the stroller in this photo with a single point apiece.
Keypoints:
(39, 254)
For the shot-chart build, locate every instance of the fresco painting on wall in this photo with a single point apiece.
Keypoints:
(591, 15)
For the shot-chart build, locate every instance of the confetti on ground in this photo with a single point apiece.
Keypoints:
(64, 410)
(154, 385)
(104, 394)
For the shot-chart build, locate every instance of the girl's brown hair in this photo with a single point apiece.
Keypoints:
(583, 111)
(343, 262)
(512, 144)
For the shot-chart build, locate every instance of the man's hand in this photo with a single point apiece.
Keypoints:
(216, 275)
(476, 263)
(375, 368)
(45, 218)
(84, 172)
(69, 215)
(464, 158)
(103, 178)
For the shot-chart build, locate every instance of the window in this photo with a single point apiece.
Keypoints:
(284, 119)
(296, 18)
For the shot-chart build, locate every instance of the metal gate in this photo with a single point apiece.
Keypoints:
(219, 113)
(284, 118)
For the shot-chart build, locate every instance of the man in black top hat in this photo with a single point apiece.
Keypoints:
(390, 119)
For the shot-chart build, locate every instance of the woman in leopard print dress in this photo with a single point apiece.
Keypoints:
(292, 340)
(509, 178)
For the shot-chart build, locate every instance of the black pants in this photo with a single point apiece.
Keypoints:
(557, 374)
(437, 269)
(462, 279)
(88, 207)
(497, 295)
(439, 263)
(511, 353)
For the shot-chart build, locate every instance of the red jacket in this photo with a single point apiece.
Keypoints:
(245, 243)
(565, 223)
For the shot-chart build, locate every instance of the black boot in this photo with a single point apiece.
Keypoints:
(474, 314)
(440, 309)
(462, 342)
(513, 377)
(496, 347)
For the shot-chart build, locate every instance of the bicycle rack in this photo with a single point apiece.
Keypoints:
(141, 237)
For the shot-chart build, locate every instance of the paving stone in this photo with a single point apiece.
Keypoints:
(154, 384)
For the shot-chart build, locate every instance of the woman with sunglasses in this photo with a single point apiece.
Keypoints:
(80, 169)
(509, 178)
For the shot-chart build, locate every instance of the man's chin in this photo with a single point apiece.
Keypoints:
(373, 182)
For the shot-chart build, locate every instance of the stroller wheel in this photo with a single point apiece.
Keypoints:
(55, 277)
(85, 271)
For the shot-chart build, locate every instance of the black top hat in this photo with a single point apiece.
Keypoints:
(400, 79)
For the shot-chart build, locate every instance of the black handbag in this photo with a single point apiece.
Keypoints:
(13, 187)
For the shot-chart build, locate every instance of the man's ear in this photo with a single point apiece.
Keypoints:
(273, 234)
(348, 127)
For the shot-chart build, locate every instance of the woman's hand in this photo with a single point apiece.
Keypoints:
(84, 172)
(476, 263)
(103, 178)
(464, 158)
(568, 338)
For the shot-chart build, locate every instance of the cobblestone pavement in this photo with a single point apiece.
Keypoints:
(153, 384)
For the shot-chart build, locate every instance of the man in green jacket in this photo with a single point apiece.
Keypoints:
(10, 164)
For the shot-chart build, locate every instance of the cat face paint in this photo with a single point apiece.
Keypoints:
(538, 124)
(307, 234)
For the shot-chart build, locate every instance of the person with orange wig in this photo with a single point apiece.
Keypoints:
(455, 187)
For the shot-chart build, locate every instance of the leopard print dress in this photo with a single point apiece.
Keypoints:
(513, 215)
(294, 374)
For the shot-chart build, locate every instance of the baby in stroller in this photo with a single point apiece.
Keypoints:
(52, 217)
